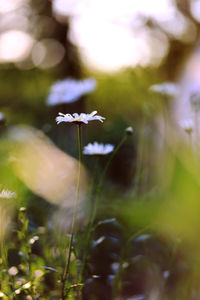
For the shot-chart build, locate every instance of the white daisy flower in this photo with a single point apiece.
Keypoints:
(129, 130)
(70, 90)
(187, 125)
(98, 149)
(166, 88)
(78, 118)
(7, 194)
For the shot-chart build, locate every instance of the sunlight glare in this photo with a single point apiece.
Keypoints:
(9, 5)
(105, 33)
(15, 45)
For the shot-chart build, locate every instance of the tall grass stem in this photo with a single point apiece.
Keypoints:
(67, 266)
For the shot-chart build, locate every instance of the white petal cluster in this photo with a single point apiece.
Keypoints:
(79, 118)
(7, 194)
(187, 125)
(98, 149)
(70, 90)
(13, 271)
(166, 88)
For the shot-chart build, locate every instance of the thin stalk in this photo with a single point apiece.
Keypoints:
(89, 218)
(94, 178)
(140, 157)
(96, 202)
(2, 229)
(67, 266)
(189, 139)
(196, 130)
(165, 122)
(196, 123)
(3, 250)
(99, 187)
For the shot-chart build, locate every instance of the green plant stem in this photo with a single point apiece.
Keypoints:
(93, 215)
(67, 266)
(140, 157)
(2, 229)
(91, 189)
(96, 202)
(99, 187)
(189, 139)
(3, 253)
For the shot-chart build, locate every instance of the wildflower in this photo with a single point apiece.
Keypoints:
(27, 285)
(187, 126)
(82, 118)
(166, 88)
(22, 209)
(13, 271)
(7, 194)
(18, 291)
(38, 273)
(97, 149)
(70, 90)
(129, 130)
(34, 239)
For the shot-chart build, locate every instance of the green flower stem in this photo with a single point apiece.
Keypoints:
(3, 249)
(196, 129)
(67, 266)
(165, 121)
(189, 139)
(92, 185)
(95, 171)
(99, 187)
(140, 157)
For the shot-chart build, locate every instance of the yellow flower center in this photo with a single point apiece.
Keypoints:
(77, 119)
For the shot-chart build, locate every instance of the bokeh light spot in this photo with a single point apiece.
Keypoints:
(47, 53)
(15, 45)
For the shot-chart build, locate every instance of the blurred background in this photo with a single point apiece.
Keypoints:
(125, 47)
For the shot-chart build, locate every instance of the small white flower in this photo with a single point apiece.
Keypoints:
(34, 239)
(129, 130)
(27, 285)
(98, 149)
(166, 88)
(82, 118)
(22, 209)
(12, 271)
(187, 125)
(18, 291)
(70, 90)
(7, 194)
